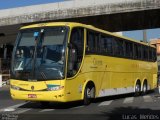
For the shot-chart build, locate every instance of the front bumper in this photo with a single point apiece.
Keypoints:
(57, 96)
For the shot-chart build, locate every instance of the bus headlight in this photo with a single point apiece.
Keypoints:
(15, 87)
(55, 88)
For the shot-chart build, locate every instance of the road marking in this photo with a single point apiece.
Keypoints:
(47, 110)
(77, 107)
(12, 108)
(147, 98)
(9, 109)
(105, 103)
(128, 100)
(21, 111)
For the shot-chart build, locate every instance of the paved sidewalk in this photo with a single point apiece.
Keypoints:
(5, 87)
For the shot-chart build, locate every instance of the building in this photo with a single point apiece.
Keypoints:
(156, 42)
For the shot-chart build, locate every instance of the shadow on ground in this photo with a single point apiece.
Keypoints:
(57, 105)
(52, 105)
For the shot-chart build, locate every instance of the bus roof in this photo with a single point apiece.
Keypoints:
(74, 24)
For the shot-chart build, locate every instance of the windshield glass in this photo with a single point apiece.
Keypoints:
(39, 54)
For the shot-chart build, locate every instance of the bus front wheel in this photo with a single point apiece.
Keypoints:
(89, 94)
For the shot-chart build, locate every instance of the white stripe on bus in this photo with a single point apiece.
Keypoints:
(47, 110)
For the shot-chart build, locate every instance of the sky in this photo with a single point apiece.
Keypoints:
(5, 4)
(138, 34)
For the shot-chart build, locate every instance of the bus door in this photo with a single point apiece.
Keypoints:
(75, 56)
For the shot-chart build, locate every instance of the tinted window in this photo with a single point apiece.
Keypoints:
(139, 52)
(145, 52)
(118, 47)
(128, 49)
(136, 52)
(106, 45)
(150, 54)
(154, 53)
(93, 42)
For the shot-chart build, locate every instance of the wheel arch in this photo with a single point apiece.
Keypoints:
(87, 82)
(144, 80)
(137, 80)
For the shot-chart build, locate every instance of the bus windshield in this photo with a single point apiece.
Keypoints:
(39, 54)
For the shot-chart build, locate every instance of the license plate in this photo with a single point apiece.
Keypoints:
(32, 96)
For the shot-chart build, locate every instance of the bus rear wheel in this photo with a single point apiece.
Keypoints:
(89, 94)
(144, 89)
(137, 88)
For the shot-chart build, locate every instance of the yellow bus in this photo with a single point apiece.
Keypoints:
(66, 61)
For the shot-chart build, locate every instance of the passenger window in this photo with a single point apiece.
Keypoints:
(154, 53)
(118, 47)
(150, 54)
(136, 52)
(93, 44)
(145, 53)
(106, 42)
(128, 50)
(139, 52)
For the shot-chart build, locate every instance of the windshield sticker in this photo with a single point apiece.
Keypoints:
(36, 34)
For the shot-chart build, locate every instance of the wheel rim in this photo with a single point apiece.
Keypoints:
(144, 88)
(137, 88)
(88, 93)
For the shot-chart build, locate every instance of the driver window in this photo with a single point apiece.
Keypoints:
(75, 51)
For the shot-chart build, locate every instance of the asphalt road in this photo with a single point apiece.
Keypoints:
(125, 107)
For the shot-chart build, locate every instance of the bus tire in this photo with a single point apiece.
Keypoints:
(138, 88)
(144, 88)
(158, 81)
(89, 93)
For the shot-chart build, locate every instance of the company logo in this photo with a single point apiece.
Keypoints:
(32, 88)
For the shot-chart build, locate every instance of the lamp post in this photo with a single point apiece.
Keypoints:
(145, 36)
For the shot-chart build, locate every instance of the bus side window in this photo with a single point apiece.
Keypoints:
(103, 45)
(145, 53)
(76, 48)
(150, 54)
(128, 49)
(106, 45)
(118, 47)
(93, 42)
(139, 52)
(154, 53)
(136, 52)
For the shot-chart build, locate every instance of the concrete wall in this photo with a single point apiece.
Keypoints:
(73, 9)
